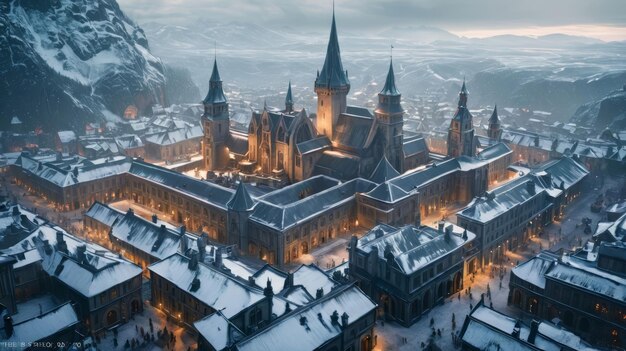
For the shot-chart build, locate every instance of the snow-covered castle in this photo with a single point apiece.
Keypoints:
(343, 141)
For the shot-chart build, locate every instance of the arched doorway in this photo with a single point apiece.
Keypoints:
(135, 306)
(111, 317)
(366, 343)
(440, 290)
(458, 282)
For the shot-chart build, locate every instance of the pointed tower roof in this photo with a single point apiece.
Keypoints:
(383, 171)
(332, 74)
(289, 97)
(215, 75)
(390, 82)
(463, 95)
(494, 119)
(216, 93)
(241, 200)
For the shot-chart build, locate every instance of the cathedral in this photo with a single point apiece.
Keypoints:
(342, 141)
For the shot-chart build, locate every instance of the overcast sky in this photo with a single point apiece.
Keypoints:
(603, 19)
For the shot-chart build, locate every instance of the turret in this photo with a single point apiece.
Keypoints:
(239, 207)
(495, 132)
(389, 115)
(216, 123)
(331, 86)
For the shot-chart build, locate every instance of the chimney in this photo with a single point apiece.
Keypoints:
(80, 253)
(61, 244)
(183, 245)
(217, 262)
(530, 186)
(288, 281)
(269, 290)
(344, 319)
(465, 234)
(287, 307)
(251, 281)
(183, 230)
(130, 212)
(440, 226)
(334, 318)
(534, 328)
(201, 244)
(516, 330)
(448, 234)
(16, 210)
(155, 218)
(319, 293)
(75, 172)
(8, 326)
(193, 261)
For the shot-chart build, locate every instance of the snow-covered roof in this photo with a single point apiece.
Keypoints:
(71, 173)
(312, 278)
(487, 329)
(90, 273)
(585, 275)
(217, 289)
(104, 214)
(414, 247)
(311, 326)
(218, 331)
(204, 191)
(66, 136)
(155, 239)
(533, 271)
(175, 136)
(36, 329)
(502, 199)
(284, 208)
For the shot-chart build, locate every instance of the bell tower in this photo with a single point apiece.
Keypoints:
(331, 86)
(495, 131)
(461, 131)
(216, 123)
(389, 116)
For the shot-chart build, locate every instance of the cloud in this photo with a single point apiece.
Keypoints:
(357, 15)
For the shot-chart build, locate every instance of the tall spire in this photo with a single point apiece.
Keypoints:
(289, 100)
(390, 82)
(216, 93)
(463, 95)
(494, 116)
(332, 74)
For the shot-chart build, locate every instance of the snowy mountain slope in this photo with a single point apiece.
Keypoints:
(607, 112)
(66, 62)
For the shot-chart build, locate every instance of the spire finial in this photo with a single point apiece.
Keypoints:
(215, 49)
(391, 52)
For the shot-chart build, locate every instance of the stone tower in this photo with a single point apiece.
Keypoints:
(461, 131)
(389, 116)
(495, 131)
(331, 86)
(216, 123)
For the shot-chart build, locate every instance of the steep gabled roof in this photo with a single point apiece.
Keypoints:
(387, 192)
(383, 171)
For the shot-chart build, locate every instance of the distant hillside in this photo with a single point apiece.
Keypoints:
(609, 111)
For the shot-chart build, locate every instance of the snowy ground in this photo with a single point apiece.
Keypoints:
(567, 234)
(132, 330)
